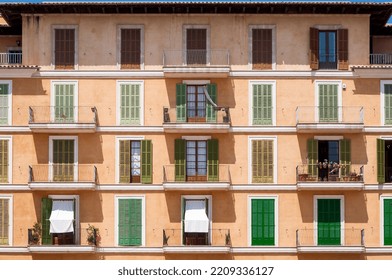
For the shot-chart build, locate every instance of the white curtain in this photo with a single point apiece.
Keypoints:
(195, 218)
(62, 216)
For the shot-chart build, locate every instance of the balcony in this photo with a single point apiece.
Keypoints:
(380, 58)
(349, 177)
(63, 177)
(221, 124)
(178, 242)
(213, 63)
(311, 119)
(53, 119)
(196, 183)
(347, 240)
(11, 58)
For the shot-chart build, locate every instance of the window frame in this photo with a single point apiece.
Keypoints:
(76, 57)
(185, 27)
(76, 160)
(118, 100)
(9, 138)
(250, 45)
(10, 198)
(130, 26)
(53, 84)
(382, 100)
(9, 112)
(273, 93)
(382, 199)
(317, 83)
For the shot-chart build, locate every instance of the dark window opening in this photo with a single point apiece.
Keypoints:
(388, 161)
(327, 50)
(328, 153)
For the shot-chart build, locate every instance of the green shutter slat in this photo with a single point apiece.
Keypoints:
(213, 159)
(345, 156)
(4, 161)
(380, 161)
(125, 161)
(387, 221)
(328, 103)
(180, 159)
(211, 112)
(328, 222)
(46, 210)
(4, 95)
(262, 104)
(64, 103)
(146, 161)
(4, 221)
(263, 222)
(388, 103)
(312, 146)
(181, 102)
(262, 161)
(130, 222)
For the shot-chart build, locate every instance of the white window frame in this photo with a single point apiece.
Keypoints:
(262, 82)
(382, 99)
(275, 151)
(315, 216)
(250, 43)
(382, 199)
(66, 26)
(116, 215)
(10, 198)
(9, 83)
(185, 27)
(317, 94)
(76, 97)
(9, 138)
(77, 213)
(132, 26)
(118, 99)
(76, 149)
(276, 218)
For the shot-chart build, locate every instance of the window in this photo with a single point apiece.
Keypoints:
(329, 220)
(5, 170)
(262, 47)
(262, 160)
(328, 48)
(384, 160)
(328, 101)
(5, 220)
(65, 47)
(263, 221)
(386, 220)
(386, 102)
(262, 100)
(130, 45)
(5, 102)
(196, 46)
(130, 102)
(130, 225)
(63, 160)
(64, 102)
(135, 161)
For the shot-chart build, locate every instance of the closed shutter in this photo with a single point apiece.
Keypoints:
(4, 95)
(380, 161)
(328, 103)
(312, 146)
(180, 159)
(4, 161)
(125, 161)
(328, 222)
(64, 49)
(130, 104)
(64, 103)
(181, 102)
(262, 48)
(213, 159)
(146, 161)
(314, 49)
(4, 221)
(262, 105)
(387, 221)
(263, 222)
(262, 161)
(388, 103)
(46, 210)
(343, 49)
(345, 157)
(211, 112)
(63, 160)
(130, 222)
(196, 45)
(130, 48)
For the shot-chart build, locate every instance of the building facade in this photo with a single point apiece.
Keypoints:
(191, 130)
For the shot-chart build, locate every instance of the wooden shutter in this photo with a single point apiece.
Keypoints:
(130, 104)
(211, 112)
(262, 105)
(64, 49)
(63, 160)
(125, 161)
(262, 161)
(262, 48)
(196, 45)
(213, 159)
(328, 103)
(130, 222)
(380, 161)
(387, 221)
(388, 104)
(46, 210)
(181, 102)
(4, 158)
(64, 103)
(130, 48)
(314, 49)
(4, 221)
(328, 222)
(312, 146)
(146, 161)
(345, 156)
(180, 159)
(4, 96)
(343, 49)
(263, 221)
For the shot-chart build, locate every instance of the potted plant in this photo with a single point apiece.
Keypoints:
(35, 234)
(353, 176)
(303, 173)
(93, 236)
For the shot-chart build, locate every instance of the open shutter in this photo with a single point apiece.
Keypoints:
(211, 112)
(263, 221)
(180, 159)
(4, 221)
(125, 161)
(312, 157)
(213, 159)
(4, 96)
(146, 161)
(314, 49)
(380, 161)
(345, 157)
(46, 210)
(130, 222)
(343, 49)
(181, 102)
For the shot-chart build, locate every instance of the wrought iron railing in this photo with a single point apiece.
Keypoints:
(63, 172)
(330, 236)
(62, 114)
(214, 57)
(171, 174)
(214, 237)
(331, 172)
(332, 114)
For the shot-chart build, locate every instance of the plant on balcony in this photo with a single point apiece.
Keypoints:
(36, 232)
(354, 176)
(93, 236)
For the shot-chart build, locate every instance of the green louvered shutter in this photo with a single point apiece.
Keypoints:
(312, 157)
(213, 160)
(380, 161)
(4, 221)
(211, 112)
(328, 222)
(4, 161)
(63, 160)
(180, 159)
(4, 95)
(130, 104)
(263, 222)
(388, 103)
(64, 110)
(262, 161)
(328, 103)
(345, 156)
(125, 161)
(262, 104)
(46, 210)
(387, 221)
(130, 222)
(146, 161)
(181, 102)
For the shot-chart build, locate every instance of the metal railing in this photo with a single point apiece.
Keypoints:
(56, 114)
(333, 172)
(380, 58)
(214, 57)
(330, 237)
(336, 114)
(10, 58)
(171, 175)
(62, 172)
(222, 117)
(214, 237)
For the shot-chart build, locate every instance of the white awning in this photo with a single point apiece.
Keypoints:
(195, 218)
(62, 216)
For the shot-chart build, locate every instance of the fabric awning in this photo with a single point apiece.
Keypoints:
(62, 216)
(195, 218)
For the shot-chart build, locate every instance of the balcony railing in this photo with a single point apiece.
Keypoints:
(329, 115)
(336, 173)
(222, 175)
(381, 58)
(215, 237)
(62, 115)
(222, 117)
(63, 173)
(330, 237)
(215, 57)
(10, 58)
